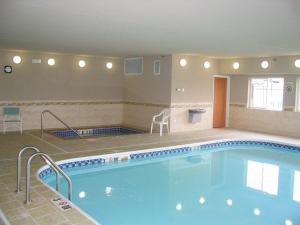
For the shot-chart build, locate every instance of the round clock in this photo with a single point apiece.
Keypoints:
(7, 69)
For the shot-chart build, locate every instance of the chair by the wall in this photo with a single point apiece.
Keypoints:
(161, 119)
(12, 118)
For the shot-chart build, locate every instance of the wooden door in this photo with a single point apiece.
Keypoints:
(220, 96)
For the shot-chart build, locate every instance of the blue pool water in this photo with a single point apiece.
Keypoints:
(236, 185)
(100, 131)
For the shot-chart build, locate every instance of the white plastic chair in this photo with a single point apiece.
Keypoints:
(161, 119)
(12, 118)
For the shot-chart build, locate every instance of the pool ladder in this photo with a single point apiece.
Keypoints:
(57, 118)
(49, 161)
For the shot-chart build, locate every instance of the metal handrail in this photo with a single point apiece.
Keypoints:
(19, 167)
(43, 155)
(56, 117)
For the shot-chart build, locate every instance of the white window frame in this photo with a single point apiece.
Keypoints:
(154, 62)
(250, 94)
(127, 59)
(297, 97)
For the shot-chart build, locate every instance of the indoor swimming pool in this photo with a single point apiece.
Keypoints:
(228, 183)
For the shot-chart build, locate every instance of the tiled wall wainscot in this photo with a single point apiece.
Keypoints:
(285, 122)
(75, 114)
(180, 117)
(139, 115)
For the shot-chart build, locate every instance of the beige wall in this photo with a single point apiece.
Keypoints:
(197, 83)
(285, 122)
(147, 94)
(150, 88)
(277, 65)
(97, 96)
(64, 81)
(87, 96)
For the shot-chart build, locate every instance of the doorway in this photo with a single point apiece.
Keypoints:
(221, 96)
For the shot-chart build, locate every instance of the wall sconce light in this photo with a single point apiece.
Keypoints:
(236, 65)
(264, 64)
(81, 63)
(17, 59)
(51, 62)
(109, 65)
(183, 62)
(206, 64)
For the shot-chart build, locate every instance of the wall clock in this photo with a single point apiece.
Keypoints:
(8, 69)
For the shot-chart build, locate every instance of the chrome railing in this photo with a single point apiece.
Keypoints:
(43, 155)
(56, 117)
(19, 167)
(49, 161)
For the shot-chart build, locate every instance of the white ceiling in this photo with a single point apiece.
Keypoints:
(220, 28)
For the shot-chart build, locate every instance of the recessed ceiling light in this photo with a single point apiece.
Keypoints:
(51, 62)
(183, 62)
(236, 65)
(17, 59)
(264, 64)
(109, 65)
(206, 64)
(81, 63)
(297, 63)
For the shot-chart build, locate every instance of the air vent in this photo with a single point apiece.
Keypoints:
(133, 66)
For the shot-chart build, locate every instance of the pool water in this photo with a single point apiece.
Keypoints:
(234, 186)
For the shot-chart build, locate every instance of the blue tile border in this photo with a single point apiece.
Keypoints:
(98, 131)
(160, 152)
(69, 165)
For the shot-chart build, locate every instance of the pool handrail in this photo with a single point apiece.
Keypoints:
(57, 118)
(19, 167)
(44, 155)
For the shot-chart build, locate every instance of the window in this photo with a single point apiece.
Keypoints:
(262, 177)
(266, 93)
(133, 66)
(156, 67)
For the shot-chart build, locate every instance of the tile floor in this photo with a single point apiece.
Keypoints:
(41, 211)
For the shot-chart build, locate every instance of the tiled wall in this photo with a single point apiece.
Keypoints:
(139, 115)
(75, 114)
(180, 117)
(277, 122)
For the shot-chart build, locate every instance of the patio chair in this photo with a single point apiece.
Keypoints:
(12, 118)
(161, 119)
